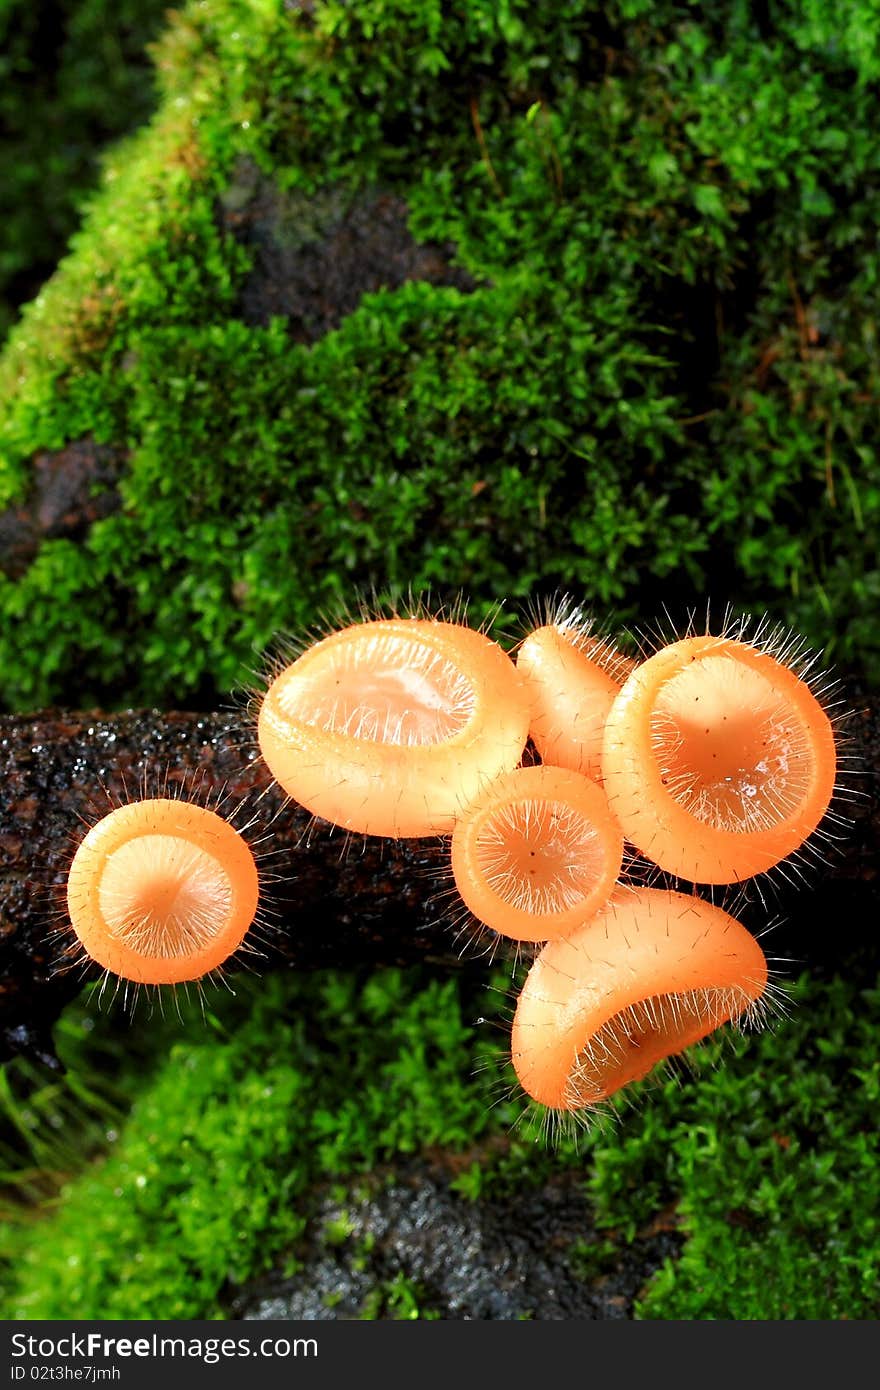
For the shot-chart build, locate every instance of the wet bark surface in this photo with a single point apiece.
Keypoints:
(330, 899)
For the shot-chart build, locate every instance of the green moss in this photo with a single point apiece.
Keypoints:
(73, 75)
(209, 1180)
(779, 1176)
(398, 1299)
(663, 382)
(51, 1123)
(770, 1161)
(592, 1259)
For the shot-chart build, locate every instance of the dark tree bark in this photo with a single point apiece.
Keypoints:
(331, 899)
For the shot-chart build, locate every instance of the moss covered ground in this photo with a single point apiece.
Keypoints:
(616, 334)
(651, 368)
(768, 1154)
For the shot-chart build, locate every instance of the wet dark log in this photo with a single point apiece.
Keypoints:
(332, 899)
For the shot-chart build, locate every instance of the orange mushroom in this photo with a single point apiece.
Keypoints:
(161, 891)
(393, 727)
(718, 760)
(652, 973)
(572, 678)
(537, 854)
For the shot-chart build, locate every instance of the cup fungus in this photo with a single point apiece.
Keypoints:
(572, 678)
(652, 973)
(161, 891)
(537, 854)
(392, 727)
(718, 760)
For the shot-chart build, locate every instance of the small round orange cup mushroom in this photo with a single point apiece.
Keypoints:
(162, 891)
(652, 973)
(537, 854)
(572, 678)
(718, 760)
(393, 727)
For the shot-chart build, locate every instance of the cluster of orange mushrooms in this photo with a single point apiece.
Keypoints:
(569, 778)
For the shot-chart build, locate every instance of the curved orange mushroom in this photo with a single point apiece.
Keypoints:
(653, 972)
(572, 679)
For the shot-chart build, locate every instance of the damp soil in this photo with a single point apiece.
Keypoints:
(528, 1255)
(69, 490)
(314, 257)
